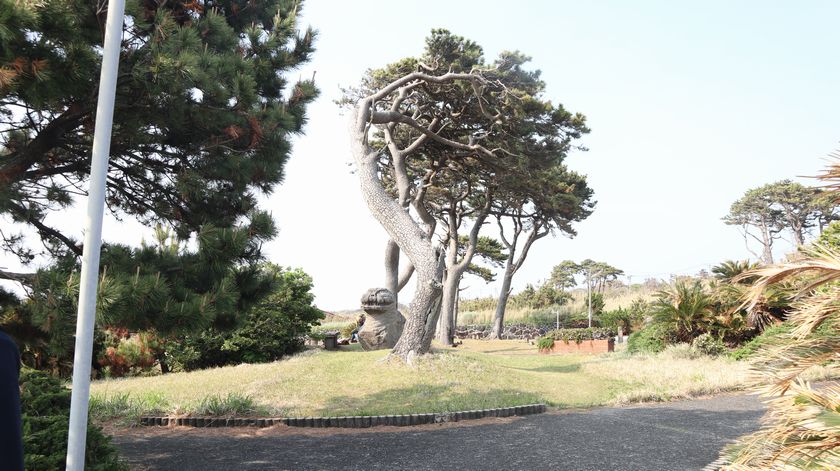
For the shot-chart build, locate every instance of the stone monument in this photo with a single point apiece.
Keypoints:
(383, 322)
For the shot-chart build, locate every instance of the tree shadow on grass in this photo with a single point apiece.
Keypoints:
(426, 398)
(502, 350)
(550, 368)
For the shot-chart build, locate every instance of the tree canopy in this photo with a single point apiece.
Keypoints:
(202, 118)
(446, 134)
(766, 212)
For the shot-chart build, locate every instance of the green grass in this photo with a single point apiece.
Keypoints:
(480, 374)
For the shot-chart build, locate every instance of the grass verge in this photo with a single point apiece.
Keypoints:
(478, 375)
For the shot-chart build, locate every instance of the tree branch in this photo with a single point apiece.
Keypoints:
(21, 212)
(22, 278)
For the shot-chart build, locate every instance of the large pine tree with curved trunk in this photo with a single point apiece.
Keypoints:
(442, 140)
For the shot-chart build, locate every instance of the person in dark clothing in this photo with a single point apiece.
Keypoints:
(11, 440)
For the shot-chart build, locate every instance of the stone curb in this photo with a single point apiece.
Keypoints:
(359, 421)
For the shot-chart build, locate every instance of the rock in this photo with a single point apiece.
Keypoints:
(383, 322)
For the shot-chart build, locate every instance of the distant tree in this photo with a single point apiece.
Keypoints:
(755, 212)
(563, 275)
(799, 207)
(560, 198)
(764, 213)
(202, 121)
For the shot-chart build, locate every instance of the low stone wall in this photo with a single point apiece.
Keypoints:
(346, 422)
(587, 346)
(512, 331)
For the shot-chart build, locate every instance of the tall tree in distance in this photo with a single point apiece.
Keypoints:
(559, 198)
(202, 121)
(759, 220)
(563, 275)
(798, 205)
(764, 213)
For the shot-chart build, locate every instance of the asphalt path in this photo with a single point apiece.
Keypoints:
(674, 436)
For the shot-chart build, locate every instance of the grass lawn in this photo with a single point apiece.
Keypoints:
(477, 375)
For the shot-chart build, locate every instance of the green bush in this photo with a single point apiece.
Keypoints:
(620, 318)
(708, 344)
(272, 329)
(545, 343)
(771, 336)
(46, 414)
(579, 335)
(651, 339)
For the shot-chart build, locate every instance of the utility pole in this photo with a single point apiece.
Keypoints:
(589, 292)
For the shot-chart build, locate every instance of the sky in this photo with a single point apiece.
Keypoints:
(689, 105)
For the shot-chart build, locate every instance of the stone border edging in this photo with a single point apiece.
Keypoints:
(347, 421)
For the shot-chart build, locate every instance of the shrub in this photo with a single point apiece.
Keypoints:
(545, 343)
(46, 414)
(685, 308)
(620, 318)
(272, 329)
(651, 339)
(579, 335)
(126, 354)
(708, 344)
(771, 336)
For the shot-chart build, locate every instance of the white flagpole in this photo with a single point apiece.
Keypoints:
(77, 437)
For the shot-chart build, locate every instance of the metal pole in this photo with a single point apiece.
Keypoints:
(589, 292)
(77, 435)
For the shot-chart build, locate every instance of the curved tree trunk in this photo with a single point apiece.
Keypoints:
(410, 239)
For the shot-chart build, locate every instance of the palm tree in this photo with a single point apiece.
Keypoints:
(685, 308)
(730, 269)
(802, 429)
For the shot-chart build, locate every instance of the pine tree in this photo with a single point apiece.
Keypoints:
(202, 120)
(202, 124)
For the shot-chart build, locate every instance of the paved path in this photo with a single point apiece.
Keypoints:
(671, 437)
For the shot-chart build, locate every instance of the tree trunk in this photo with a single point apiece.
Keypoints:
(501, 305)
(447, 308)
(767, 242)
(450, 287)
(392, 268)
(408, 236)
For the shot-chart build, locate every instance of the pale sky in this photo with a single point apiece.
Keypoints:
(689, 105)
